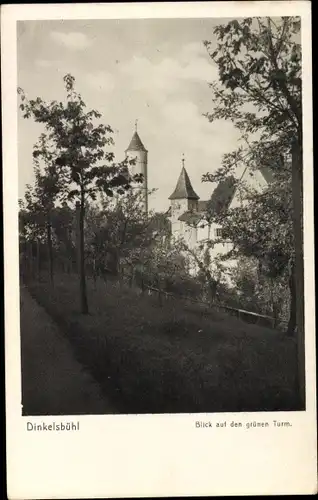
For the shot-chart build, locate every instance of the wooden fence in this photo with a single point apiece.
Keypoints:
(242, 314)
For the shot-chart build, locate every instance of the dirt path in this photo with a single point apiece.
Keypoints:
(53, 381)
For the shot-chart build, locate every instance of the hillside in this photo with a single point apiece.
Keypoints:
(174, 358)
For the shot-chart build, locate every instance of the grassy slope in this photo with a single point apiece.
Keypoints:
(174, 358)
(53, 382)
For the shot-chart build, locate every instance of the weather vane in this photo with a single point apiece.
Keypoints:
(136, 124)
(183, 159)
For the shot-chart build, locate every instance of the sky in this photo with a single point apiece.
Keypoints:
(154, 70)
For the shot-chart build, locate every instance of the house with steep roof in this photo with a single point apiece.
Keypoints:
(188, 214)
(183, 207)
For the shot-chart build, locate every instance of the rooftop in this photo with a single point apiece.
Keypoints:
(136, 144)
(222, 196)
(184, 189)
(190, 217)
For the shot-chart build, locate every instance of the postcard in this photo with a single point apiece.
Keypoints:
(159, 249)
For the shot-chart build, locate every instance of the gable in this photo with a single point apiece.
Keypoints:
(253, 179)
(222, 196)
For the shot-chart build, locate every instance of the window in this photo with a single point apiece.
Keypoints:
(219, 232)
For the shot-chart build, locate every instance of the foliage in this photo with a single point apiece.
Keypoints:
(73, 148)
(74, 145)
(262, 228)
(166, 265)
(257, 291)
(120, 230)
(259, 91)
(259, 63)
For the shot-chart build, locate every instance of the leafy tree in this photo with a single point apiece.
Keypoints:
(259, 90)
(76, 146)
(117, 234)
(257, 291)
(165, 266)
(39, 202)
(64, 229)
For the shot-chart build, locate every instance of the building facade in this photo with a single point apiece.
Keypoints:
(187, 213)
(136, 151)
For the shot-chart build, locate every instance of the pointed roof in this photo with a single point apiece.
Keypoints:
(184, 189)
(222, 195)
(267, 174)
(135, 143)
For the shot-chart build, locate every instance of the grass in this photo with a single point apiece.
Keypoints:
(175, 358)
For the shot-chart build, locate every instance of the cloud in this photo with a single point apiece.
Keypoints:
(43, 63)
(101, 80)
(73, 40)
(190, 64)
(192, 50)
(186, 124)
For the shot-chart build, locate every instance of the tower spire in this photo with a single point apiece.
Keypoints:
(137, 151)
(184, 189)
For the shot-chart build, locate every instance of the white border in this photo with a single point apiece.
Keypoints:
(160, 455)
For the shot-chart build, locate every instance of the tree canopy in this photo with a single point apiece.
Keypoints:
(259, 89)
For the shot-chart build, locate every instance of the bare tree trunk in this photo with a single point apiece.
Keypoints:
(131, 276)
(24, 263)
(158, 284)
(94, 273)
(81, 258)
(50, 252)
(275, 310)
(38, 272)
(142, 283)
(297, 193)
(30, 258)
(292, 323)
(212, 286)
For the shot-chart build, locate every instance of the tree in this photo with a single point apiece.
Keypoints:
(260, 91)
(29, 232)
(117, 233)
(63, 221)
(39, 202)
(75, 144)
(164, 265)
(259, 62)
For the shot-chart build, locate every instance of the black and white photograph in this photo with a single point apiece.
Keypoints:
(158, 249)
(160, 215)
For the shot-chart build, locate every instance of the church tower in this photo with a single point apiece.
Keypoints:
(183, 200)
(137, 151)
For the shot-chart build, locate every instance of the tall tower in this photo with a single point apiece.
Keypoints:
(137, 151)
(183, 199)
